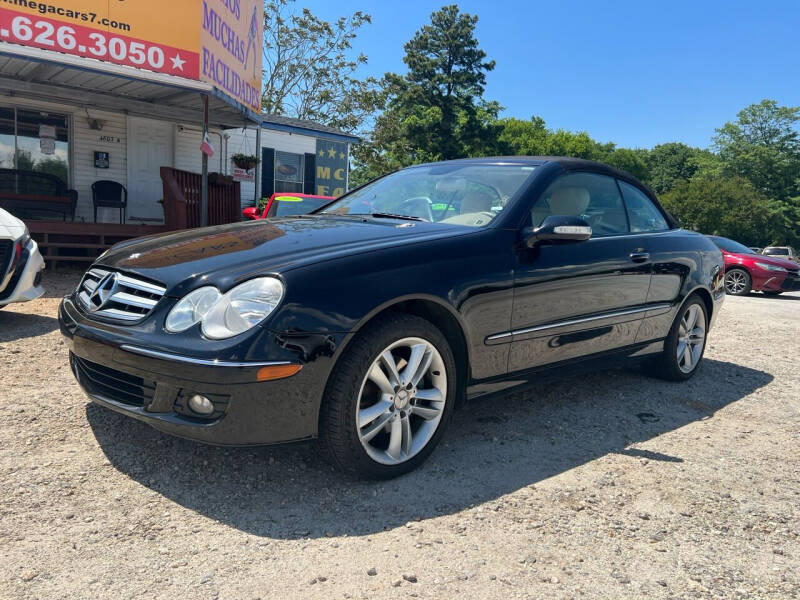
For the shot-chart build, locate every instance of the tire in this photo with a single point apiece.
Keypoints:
(669, 364)
(738, 282)
(353, 387)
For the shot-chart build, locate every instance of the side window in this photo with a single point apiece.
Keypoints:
(594, 198)
(643, 214)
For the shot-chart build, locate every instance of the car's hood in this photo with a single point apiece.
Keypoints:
(11, 227)
(770, 260)
(221, 255)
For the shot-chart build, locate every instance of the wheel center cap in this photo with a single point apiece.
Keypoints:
(401, 399)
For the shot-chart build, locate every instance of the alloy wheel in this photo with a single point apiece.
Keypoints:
(401, 401)
(691, 338)
(735, 282)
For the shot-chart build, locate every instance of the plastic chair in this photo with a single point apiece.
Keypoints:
(110, 194)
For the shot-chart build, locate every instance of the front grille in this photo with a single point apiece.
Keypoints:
(6, 251)
(792, 281)
(112, 384)
(117, 296)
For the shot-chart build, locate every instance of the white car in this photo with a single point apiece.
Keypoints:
(785, 252)
(20, 262)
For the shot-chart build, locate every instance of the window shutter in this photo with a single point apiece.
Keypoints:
(267, 172)
(309, 182)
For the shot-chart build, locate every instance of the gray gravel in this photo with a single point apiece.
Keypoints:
(611, 484)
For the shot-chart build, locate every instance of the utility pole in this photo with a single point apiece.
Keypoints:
(204, 181)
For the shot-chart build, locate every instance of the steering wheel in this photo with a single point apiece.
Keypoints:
(407, 206)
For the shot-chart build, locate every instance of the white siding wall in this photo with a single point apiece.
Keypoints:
(187, 150)
(245, 142)
(84, 143)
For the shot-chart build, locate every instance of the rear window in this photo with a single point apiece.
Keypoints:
(730, 245)
(776, 252)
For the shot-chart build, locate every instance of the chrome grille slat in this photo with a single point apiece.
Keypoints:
(123, 298)
(119, 314)
(141, 285)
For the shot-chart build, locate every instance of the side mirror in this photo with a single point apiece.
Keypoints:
(556, 229)
(251, 212)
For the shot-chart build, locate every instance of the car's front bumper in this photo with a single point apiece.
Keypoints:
(153, 386)
(791, 283)
(23, 284)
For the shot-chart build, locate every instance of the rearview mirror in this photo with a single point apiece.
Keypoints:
(556, 228)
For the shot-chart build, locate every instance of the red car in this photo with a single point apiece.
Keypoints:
(282, 204)
(745, 270)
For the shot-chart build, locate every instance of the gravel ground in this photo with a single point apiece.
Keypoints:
(607, 485)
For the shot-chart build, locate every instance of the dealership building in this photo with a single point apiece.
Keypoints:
(121, 97)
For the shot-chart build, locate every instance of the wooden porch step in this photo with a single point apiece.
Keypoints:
(60, 242)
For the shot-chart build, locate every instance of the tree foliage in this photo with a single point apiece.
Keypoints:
(310, 67)
(669, 163)
(763, 146)
(730, 207)
(435, 111)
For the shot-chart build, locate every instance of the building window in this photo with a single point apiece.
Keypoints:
(33, 140)
(289, 172)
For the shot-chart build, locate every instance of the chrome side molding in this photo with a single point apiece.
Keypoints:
(609, 315)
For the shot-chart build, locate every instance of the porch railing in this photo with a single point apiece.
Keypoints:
(182, 199)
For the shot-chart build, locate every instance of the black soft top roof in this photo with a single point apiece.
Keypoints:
(568, 163)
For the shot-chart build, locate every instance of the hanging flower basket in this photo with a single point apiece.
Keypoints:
(245, 161)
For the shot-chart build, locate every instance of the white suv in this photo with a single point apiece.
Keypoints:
(785, 252)
(20, 262)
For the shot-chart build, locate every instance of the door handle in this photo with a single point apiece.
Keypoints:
(639, 256)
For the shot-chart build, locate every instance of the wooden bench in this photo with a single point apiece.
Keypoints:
(26, 193)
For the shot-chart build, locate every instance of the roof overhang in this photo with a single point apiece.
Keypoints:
(56, 77)
(310, 131)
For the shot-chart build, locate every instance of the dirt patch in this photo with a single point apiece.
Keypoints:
(610, 484)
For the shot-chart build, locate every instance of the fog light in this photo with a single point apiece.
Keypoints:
(201, 405)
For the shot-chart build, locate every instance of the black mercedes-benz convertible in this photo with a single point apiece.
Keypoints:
(367, 323)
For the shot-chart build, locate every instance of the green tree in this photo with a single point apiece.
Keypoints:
(763, 145)
(310, 67)
(630, 161)
(436, 110)
(731, 208)
(669, 163)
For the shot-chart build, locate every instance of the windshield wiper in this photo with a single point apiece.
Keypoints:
(382, 215)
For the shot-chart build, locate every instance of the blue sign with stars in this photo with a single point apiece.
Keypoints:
(331, 168)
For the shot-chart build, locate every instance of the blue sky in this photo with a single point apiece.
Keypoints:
(636, 73)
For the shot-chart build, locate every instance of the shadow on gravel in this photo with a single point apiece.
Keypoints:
(17, 325)
(493, 447)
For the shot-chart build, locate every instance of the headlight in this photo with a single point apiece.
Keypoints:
(225, 315)
(770, 267)
(192, 308)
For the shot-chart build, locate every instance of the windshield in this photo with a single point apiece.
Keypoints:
(777, 251)
(457, 194)
(284, 206)
(730, 245)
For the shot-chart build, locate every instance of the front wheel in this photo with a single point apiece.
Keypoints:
(738, 282)
(685, 344)
(389, 399)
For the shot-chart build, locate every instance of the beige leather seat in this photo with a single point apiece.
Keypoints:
(568, 201)
(475, 202)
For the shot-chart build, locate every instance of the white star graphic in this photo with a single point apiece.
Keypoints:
(177, 62)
